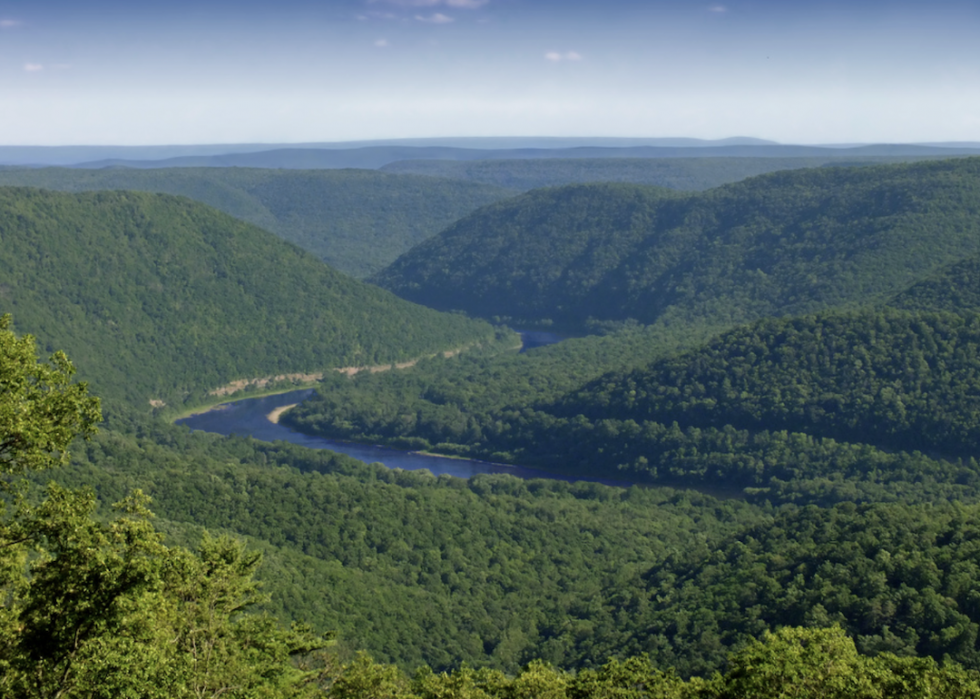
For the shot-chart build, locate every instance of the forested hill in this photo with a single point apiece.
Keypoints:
(357, 221)
(955, 288)
(785, 243)
(691, 174)
(158, 297)
(895, 380)
(868, 405)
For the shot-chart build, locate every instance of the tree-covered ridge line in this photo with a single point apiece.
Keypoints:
(954, 288)
(686, 174)
(898, 579)
(785, 243)
(414, 568)
(357, 221)
(896, 380)
(441, 398)
(497, 572)
(158, 297)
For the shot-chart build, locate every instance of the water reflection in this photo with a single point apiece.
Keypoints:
(249, 418)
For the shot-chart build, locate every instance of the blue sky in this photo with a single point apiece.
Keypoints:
(111, 72)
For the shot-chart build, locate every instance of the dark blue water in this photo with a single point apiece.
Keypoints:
(249, 418)
(538, 338)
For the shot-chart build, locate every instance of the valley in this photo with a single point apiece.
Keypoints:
(739, 418)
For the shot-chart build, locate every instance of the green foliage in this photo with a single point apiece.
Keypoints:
(92, 608)
(791, 663)
(780, 244)
(900, 579)
(800, 663)
(162, 298)
(876, 405)
(893, 380)
(358, 221)
(496, 571)
(454, 400)
(422, 570)
(954, 288)
(41, 410)
(108, 611)
(496, 574)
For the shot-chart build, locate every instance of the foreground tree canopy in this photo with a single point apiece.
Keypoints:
(102, 608)
(93, 608)
(41, 410)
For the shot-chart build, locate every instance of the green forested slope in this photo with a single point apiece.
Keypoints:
(498, 571)
(494, 571)
(357, 221)
(690, 174)
(897, 578)
(441, 570)
(158, 297)
(870, 405)
(784, 243)
(896, 380)
(954, 288)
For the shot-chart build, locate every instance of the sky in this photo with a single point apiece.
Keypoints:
(100, 72)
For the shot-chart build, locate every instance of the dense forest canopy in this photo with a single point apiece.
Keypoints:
(900, 381)
(954, 288)
(839, 406)
(357, 221)
(899, 578)
(830, 548)
(784, 243)
(158, 297)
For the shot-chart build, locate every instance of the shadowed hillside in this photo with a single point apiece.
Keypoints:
(785, 243)
(357, 221)
(158, 297)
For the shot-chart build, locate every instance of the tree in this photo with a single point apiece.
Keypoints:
(93, 608)
(801, 663)
(41, 409)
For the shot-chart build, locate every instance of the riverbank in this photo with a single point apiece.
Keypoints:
(264, 386)
(218, 404)
(274, 416)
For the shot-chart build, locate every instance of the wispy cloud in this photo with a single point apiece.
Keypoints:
(556, 56)
(377, 15)
(33, 67)
(456, 4)
(718, 9)
(437, 18)
(10, 23)
(381, 43)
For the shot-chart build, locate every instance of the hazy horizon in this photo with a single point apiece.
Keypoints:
(105, 72)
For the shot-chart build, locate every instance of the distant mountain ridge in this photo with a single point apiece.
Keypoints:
(687, 174)
(378, 156)
(790, 242)
(72, 155)
(377, 153)
(357, 221)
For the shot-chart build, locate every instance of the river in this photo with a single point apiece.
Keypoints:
(249, 417)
